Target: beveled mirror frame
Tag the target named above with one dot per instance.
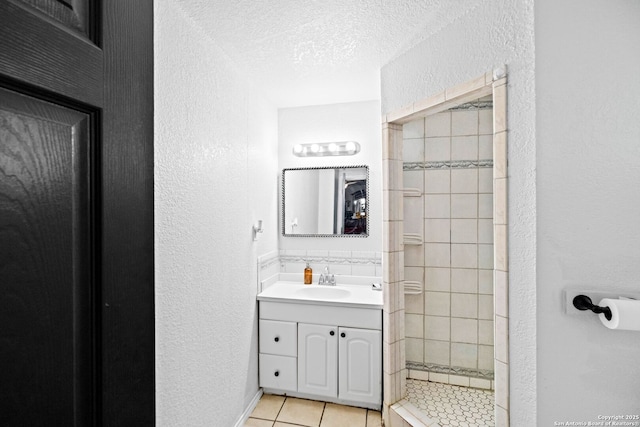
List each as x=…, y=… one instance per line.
x=367, y=209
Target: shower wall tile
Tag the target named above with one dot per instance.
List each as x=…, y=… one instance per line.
x=500, y=203
x=415, y=274
x=464, y=122
x=437, y=279
x=414, y=179
x=485, y=282
x=414, y=255
x=485, y=231
x=437, y=149
x=485, y=147
x=465, y=231
x=500, y=154
x=437, y=328
x=437, y=181
x=464, y=305
x=501, y=293
x=501, y=343
x=464, y=280
x=500, y=103
x=464, y=330
x=485, y=332
x=413, y=150
x=437, y=230
x=485, y=180
x=414, y=349
x=464, y=255
x=464, y=181
x=456, y=267
x=485, y=206
x=414, y=326
x=437, y=303
x=438, y=125
x=465, y=206
x=485, y=357
x=485, y=307
x=458, y=380
x=414, y=129
x=437, y=205
x=413, y=215
x=414, y=304
x=485, y=256
x=437, y=255
x=464, y=355
x=485, y=122
x=437, y=352
x=464, y=147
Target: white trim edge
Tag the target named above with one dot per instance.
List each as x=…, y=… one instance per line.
x=252, y=405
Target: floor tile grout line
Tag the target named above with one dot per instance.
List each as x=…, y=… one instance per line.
x=324, y=407
x=279, y=410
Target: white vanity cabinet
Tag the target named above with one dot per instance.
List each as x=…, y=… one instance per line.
x=338, y=362
x=337, y=355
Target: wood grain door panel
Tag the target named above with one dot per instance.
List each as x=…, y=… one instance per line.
x=47, y=285
x=58, y=61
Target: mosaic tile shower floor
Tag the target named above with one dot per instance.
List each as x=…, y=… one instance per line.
x=452, y=405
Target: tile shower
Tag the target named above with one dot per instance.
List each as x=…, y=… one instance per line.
x=448, y=245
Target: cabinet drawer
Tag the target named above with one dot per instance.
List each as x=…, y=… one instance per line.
x=278, y=372
x=278, y=338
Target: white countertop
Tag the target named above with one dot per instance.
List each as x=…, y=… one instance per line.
x=361, y=296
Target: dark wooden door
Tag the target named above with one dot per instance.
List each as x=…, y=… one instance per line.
x=76, y=213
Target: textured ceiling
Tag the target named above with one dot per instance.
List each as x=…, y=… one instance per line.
x=319, y=51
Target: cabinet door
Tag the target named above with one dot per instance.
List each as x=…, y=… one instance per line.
x=318, y=360
x=360, y=362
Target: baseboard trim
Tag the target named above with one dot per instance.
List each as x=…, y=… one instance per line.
x=252, y=405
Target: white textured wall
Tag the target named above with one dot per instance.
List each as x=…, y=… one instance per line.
x=490, y=34
x=588, y=157
x=355, y=121
x=215, y=174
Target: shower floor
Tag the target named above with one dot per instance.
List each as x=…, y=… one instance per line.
x=452, y=405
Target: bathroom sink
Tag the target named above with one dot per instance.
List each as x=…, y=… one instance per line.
x=360, y=296
x=323, y=293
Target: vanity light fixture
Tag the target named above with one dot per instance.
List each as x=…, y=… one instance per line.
x=318, y=149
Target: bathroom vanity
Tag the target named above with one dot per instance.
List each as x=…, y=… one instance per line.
x=322, y=342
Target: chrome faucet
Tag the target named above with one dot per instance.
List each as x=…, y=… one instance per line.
x=326, y=278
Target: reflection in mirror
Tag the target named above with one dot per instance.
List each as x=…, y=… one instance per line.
x=325, y=202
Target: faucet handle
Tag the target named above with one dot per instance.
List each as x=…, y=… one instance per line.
x=321, y=279
x=332, y=280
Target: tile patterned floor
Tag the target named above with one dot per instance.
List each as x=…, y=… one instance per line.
x=278, y=411
x=452, y=405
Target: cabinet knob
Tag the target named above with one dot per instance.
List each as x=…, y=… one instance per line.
x=343, y=335
x=276, y=373
x=276, y=339
x=332, y=333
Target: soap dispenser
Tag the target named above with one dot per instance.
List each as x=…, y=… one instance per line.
x=308, y=275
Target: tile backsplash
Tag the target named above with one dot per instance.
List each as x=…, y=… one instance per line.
x=347, y=263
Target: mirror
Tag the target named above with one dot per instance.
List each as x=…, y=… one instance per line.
x=325, y=201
